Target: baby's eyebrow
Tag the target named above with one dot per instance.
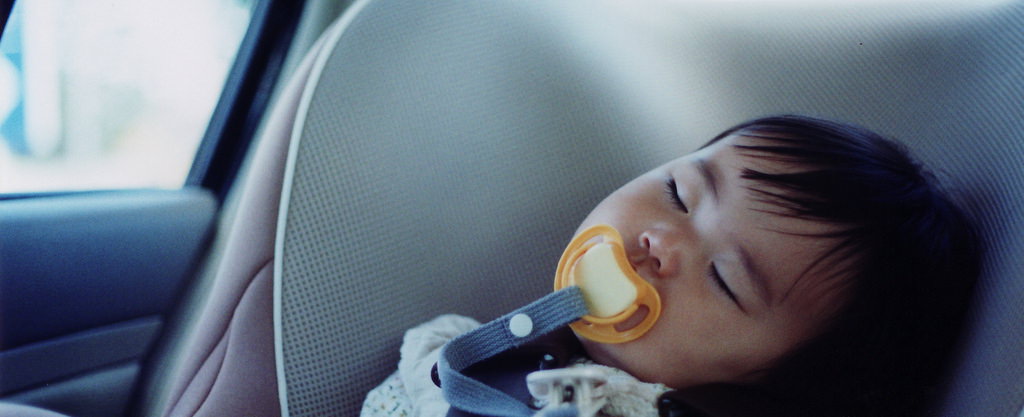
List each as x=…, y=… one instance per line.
x=755, y=275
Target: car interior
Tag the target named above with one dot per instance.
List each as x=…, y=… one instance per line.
x=415, y=158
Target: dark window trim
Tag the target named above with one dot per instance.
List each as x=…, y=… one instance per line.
x=5, y=13
x=246, y=94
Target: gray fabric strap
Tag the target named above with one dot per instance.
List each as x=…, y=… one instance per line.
x=563, y=411
x=547, y=314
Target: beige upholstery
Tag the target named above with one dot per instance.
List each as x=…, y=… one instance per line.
x=228, y=365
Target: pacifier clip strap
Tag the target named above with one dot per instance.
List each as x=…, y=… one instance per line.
x=512, y=330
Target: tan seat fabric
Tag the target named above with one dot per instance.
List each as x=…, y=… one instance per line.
x=228, y=368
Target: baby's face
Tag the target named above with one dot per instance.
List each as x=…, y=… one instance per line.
x=733, y=294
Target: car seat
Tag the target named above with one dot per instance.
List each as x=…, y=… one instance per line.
x=447, y=150
x=226, y=366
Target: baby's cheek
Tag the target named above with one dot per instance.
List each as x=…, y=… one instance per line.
x=658, y=356
x=625, y=356
x=690, y=318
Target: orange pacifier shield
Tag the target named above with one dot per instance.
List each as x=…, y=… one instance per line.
x=614, y=293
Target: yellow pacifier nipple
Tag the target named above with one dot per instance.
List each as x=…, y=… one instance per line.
x=596, y=262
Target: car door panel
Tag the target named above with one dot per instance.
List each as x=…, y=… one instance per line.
x=100, y=393
x=85, y=283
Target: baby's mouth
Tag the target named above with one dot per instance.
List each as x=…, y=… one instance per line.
x=636, y=260
x=641, y=265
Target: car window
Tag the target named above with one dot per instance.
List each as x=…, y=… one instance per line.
x=108, y=95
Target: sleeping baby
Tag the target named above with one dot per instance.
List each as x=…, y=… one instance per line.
x=791, y=266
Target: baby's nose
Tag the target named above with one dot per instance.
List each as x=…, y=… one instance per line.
x=660, y=253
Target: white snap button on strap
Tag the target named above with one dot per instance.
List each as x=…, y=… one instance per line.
x=520, y=325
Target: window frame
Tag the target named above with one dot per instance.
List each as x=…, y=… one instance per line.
x=245, y=96
x=5, y=13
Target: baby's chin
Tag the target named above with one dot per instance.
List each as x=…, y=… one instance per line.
x=602, y=353
x=636, y=359
x=615, y=356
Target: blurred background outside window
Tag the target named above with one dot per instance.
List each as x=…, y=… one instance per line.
x=112, y=94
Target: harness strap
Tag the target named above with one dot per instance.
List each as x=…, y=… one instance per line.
x=512, y=330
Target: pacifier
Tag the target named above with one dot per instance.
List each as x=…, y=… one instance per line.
x=612, y=290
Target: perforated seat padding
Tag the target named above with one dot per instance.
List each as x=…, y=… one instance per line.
x=450, y=148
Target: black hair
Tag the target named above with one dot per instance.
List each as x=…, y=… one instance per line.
x=907, y=257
